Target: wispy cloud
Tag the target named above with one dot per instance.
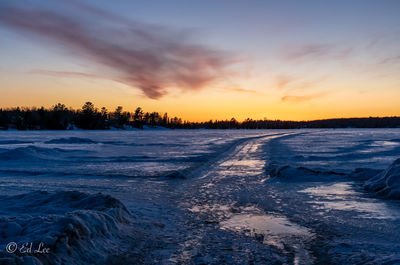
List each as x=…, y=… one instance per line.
x=298, y=99
x=151, y=58
x=315, y=52
x=283, y=80
x=390, y=60
x=242, y=90
x=310, y=50
x=297, y=83
x=64, y=74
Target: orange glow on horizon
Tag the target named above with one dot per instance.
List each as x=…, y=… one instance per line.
x=198, y=106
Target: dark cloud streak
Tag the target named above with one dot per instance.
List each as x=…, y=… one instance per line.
x=298, y=99
x=147, y=57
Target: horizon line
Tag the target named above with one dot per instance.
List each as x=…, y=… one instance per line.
x=209, y=119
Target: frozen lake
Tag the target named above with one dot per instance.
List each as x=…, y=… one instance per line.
x=199, y=196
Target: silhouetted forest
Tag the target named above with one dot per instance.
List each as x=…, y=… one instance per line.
x=59, y=117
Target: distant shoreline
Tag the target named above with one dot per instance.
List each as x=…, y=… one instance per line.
x=59, y=117
x=345, y=123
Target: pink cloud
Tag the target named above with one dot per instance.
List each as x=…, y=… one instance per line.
x=147, y=57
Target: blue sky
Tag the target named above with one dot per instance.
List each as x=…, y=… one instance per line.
x=296, y=55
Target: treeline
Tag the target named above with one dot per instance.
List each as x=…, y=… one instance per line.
x=59, y=117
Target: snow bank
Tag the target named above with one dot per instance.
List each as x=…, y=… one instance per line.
x=363, y=174
x=71, y=140
x=289, y=173
x=158, y=128
x=31, y=153
x=7, y=142
x=175, y=175
x=387, y=183
x=76, y=227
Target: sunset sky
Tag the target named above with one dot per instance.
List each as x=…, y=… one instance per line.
x=202, y=60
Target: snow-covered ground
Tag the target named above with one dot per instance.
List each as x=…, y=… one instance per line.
x=200, y=197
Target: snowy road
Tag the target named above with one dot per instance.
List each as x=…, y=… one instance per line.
x=236, y=214
x=232, y=212
x=221, y=204
x=272, y=197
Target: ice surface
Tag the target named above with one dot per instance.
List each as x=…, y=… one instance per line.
x=110, y=153
x=201, y=196
x=340, y=150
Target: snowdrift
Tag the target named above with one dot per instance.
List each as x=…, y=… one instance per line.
x=31, y=153
x=387, y=183
x=78, y=228
x=34, y=154
x=71, y=140
x=300, y=174
x=363, y=174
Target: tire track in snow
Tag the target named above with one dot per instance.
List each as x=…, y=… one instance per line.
x=222, y=226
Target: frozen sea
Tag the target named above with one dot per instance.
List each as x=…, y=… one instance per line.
x=198, y=197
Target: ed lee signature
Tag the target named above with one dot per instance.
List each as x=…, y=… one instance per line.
x=27, y=248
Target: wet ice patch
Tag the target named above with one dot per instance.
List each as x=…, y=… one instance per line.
x=343, y=197
x=272, y=230
x=244, y=162
x=269, y=228
x=393, y=142
x=331, y=191
x=266, y=228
